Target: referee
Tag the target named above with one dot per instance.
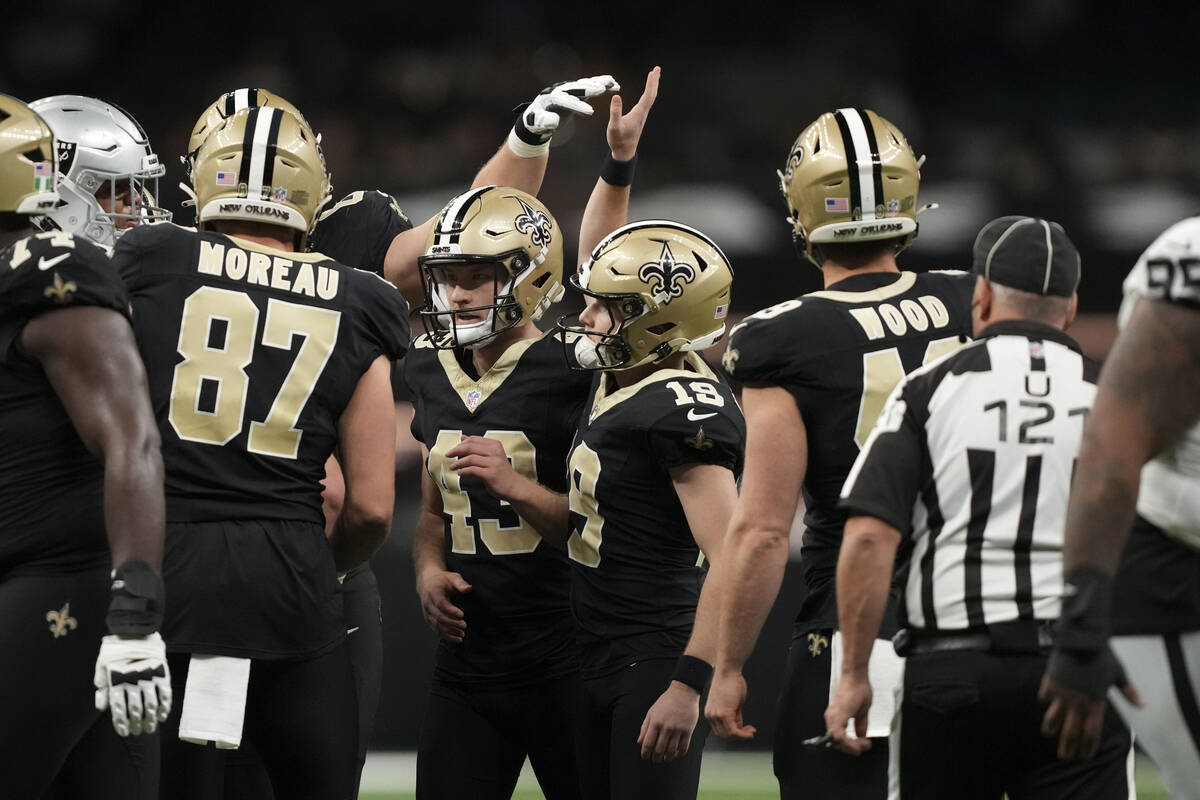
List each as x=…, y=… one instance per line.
x=967, y=474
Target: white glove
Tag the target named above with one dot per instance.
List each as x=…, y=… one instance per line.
x=133, y=682
x=531, y=133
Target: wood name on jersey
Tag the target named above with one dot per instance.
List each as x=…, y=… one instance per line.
x=263, y=269
x=919, y=315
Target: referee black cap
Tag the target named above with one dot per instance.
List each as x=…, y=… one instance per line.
x=1029, y=254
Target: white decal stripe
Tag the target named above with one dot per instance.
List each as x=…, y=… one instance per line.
x=241, y=99
x=862, y=149
x=258, y=152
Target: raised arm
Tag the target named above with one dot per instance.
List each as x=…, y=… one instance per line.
x=608, y=206
x=520, y=163
x=367, y=445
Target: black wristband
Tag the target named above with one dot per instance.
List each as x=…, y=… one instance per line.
x=693, y=672
x=138, y=600
x=618, y=173
x=1085, y=622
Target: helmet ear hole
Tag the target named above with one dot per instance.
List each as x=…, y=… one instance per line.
x=540, y=280
x=659, y=330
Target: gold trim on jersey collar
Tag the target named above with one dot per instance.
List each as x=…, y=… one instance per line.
x=295, y=255
x=603, y=401
x=490, y=381
x=898, y=286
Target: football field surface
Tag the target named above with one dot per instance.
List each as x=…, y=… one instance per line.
x=724, y=776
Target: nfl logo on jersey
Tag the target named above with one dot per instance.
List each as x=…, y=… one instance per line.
x=473, y=398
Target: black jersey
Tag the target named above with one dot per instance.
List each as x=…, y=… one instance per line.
x=839, y=353
x=518, y=617
x=637, y=569
x=252, y=354
x=51, y=488
x=359, y=229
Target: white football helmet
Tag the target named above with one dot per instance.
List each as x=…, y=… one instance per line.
x=100, y=147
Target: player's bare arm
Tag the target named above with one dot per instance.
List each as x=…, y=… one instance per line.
x=756, y=547
x=708, y=493
x=91, y=359
x=520, y=163
x=608, y=206
x=1149, y=394
x=545, y=510
x=864, y=572
x=436, y=586
x=367, y=441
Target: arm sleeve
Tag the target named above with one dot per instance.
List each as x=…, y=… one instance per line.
x=359, y=229
x=699, y=434
x=57, y=271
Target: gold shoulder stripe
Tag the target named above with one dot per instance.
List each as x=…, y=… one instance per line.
x=898, y=286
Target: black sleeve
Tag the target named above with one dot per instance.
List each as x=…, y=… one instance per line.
x=886, y=479
x=359, y=229
x=50, y=271
x=698, y=433
x=382, y=315
x=754, y=354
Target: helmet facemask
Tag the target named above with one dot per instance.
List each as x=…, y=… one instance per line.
x=594, y=349
x=444, y=324
x=108, y=173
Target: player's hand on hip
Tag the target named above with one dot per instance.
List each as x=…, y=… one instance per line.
x=851, y=700
x=625, y=130
x=437, y=590
x=667, y=729
x=485, y=459
x=1074, y=690
x=133, y=682
x=723, y=710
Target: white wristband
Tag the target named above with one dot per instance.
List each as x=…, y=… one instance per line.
x=525, y=150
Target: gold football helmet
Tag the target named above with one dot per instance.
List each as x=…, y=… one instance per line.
x=509, y=229
x=28, y=169
x=667, y=290
x=851, y=177
x=261, y=165
x=225, y=107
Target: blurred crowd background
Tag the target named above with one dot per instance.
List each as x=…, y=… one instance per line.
x=1077, y=111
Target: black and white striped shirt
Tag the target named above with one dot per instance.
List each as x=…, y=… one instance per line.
x=971, y=461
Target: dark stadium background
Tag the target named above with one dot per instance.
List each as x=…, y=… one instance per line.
x=1081, y=112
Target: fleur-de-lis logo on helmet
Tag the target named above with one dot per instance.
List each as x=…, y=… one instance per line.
x=533, y=222
x=667, y=275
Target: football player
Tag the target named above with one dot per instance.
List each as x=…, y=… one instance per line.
x=1132, y=556
x=652, y=482
x=356, y=231
x=495, y=410
x=261, y=358
x=816, y=372
x=81, y=493
x=108, y=173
